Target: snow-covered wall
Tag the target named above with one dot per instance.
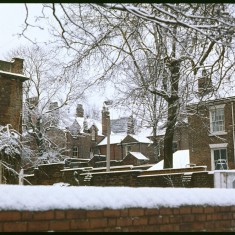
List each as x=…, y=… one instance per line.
x=115, y=209
x=42, y=198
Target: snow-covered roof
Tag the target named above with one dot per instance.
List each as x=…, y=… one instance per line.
x=142, y=139
x=90, y=122
x=98, y=198
x=138, y=155
x=117, y=138
x=69, y=121
x=114, y=139
x=180, y=160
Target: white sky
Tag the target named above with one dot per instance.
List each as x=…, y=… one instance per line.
x=12, y=16
x=41, y=198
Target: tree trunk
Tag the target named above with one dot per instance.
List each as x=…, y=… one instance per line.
x=168, y=138
x=173, y=107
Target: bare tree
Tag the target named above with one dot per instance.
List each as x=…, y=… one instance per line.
x=164, y=47
x=47, y=94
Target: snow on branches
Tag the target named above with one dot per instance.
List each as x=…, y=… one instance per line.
x=10, y=144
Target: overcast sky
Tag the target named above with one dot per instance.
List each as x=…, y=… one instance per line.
x=12, y=16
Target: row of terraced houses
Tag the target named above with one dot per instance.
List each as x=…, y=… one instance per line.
x=208, y=132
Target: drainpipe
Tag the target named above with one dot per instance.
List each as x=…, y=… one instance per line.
x=233, y=132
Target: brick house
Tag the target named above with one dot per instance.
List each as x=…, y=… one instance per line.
x=211, y=133
x=123, y=139
x=11, y=95
x=82, y=136
x=78, y=136
x=121, y=143
x=11, y=92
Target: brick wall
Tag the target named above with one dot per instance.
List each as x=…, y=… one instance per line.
x=115, y=178
x=10, y=102
x=46, y=174
x=121, y=176
x=182, y=219
x=11, y=93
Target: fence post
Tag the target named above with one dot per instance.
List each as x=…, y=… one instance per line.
x=21, y=177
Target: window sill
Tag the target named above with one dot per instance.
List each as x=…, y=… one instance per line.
x=218, y=133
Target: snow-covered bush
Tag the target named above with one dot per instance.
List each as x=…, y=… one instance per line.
x=10, y=144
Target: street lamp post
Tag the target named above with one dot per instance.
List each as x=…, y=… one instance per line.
x=108, y=142
x=107, y=104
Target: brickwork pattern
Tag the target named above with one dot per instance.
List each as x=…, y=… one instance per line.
x=10, y=102
x=182, y=219
x=199, y=138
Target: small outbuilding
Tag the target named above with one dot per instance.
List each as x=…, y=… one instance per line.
x=135, y=159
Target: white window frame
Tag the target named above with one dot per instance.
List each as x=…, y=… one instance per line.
x=214, y=147
x=213, y=109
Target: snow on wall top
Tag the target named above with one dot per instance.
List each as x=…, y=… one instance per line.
x=18, y=75
x=180, y=160
x=42, y=198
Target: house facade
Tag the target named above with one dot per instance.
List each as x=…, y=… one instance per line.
x=82, y=136
x=121, y=145
x=11, y=92
x=211, y=133
x=11, y=96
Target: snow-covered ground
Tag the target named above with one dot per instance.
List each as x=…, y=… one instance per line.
x=41, y=198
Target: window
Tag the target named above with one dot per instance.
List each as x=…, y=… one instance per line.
x=219, y=157
x=217, y=119
x=75, y=151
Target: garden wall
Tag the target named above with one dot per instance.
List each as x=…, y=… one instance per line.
x=182, y=219
x=121, y=176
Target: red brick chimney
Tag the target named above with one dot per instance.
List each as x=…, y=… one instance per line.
x=17, y=65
